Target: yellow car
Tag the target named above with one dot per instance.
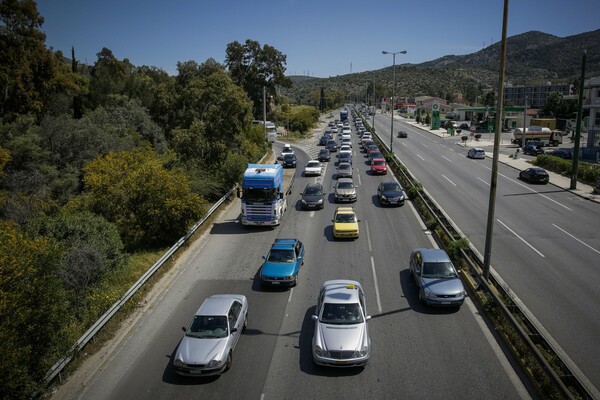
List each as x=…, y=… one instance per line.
x=345, y=223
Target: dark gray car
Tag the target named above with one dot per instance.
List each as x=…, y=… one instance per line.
x=312, y=197
x=344, y=170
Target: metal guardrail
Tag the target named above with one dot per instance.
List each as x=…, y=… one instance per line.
x=103, y=320
x=510, y=310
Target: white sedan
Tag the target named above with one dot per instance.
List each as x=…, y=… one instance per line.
x=313, y=168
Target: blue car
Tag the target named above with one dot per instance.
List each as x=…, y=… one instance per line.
x=282, y=264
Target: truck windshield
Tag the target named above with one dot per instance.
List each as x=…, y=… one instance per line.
x=259, y=194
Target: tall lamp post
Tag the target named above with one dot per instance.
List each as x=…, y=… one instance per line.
x=393, y=92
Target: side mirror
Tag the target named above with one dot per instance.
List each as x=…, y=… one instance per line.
x=368, y=317
x=264, y=257
x=183, y=328
x=315, y=317
x=234, y=330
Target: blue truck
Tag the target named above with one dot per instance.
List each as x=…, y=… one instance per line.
x=344, y=115
x=265, y=188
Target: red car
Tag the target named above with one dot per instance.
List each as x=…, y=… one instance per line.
x=378, y=166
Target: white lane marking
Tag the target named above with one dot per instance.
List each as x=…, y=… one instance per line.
x=424, y=145
x=580, y=241
x=452, y=150
x=418, y=155
x=447, y=159
x=359, y=182
x=368, y=236
x=512, y=375
x=543, y=195
x=376, y=285
x=446, y=178
x=312, y=213
x=291, y=293
x=404, y=144
x=487, y=183
x=523, y=240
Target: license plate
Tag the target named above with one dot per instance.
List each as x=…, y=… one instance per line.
x=341, y=362
x=445, y=302
x=275, y=283
x=195, y=371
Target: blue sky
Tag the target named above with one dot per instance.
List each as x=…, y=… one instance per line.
x=320, y=38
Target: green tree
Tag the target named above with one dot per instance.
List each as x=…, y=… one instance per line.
x=33, y=305
x=254, y=67
x=149, y=203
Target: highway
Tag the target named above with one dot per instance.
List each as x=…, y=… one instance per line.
x=546, y=244
x=418, y=352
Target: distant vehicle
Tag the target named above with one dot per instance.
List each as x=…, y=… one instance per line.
x=207, y=347
x=265, y=188
x=535, y=175
x=345, y=223
x=538, y=133
x=532, y=149
x=313, y=168
x=289, y=161
x=282, y=264
x=390, y=193
x=312, y=196
x=344, y=170
x=345, y=157
x=464, y=126
x=324, y=155
x=345, y=190
x=324, y=139
x=287, y=149
x=436, y=278
x=476, y=152
x=373, y=155
x=562, y=153
x=346, y=141
x=344, y=115
x=378, y=166
x=332, y=146
x=341, y=336
x=402, y=134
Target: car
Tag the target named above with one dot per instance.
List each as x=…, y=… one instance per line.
x=345, y=190
x=345, y=148
x=345, y=223
x=341, y=335
x=562, y=153
x=436, y=278
x=464, y=126
x=390, y=193
x=373, y=155
x=366, y=136
x=371, y=147
x=312, y=197
x=346, y=142
x=346, y=131
x=345, y=157
x=324, y=155
x=332, y=146
x=207, y=347
x=378, y=166
x=344, y=170
x=533, y=149
x=535, y=175
x=282, y=264
x=367, y=143
x=324, y=139
x=476, y=152
x=289, y=161
x=313, y=168
x=402, y=134
x=287, y=149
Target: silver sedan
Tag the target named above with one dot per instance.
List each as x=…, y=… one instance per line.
x=209, y=341
x=341, y=337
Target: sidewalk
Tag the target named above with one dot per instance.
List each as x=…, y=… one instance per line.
x=564, y=182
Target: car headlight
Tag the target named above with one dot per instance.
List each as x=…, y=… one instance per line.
x=179, y=363
x=320, y=201
x=364, y=351
x=318, y=351
x=383, y=197
x=303, y=201
x=428, y=293
x=215, y=363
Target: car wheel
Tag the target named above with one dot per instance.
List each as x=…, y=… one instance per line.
x=229, y=361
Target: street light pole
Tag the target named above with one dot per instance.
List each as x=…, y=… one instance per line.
x=393, y=93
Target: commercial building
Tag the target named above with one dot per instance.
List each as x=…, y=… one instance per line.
x=536, y=95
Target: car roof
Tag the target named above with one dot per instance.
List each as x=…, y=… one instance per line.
x=477, y=149
x=341, y=291
x=345, y=180
x=433, y=255
x=313, y=161
x=313, y=185
x=345, y=210
x=218, y=304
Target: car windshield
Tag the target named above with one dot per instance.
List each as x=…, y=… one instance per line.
x=442, y=269
x=312, y=164
x=313, y=191
x=345, y=218
x=378, y=162
x=391, y=186
x=208, y=327
x=280, y=255
x=341, y=314
x=345, y=185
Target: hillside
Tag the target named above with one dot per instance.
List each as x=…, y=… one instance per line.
x=532, y=57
